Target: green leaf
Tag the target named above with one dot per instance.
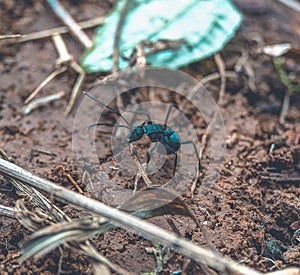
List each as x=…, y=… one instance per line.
x=194, y=29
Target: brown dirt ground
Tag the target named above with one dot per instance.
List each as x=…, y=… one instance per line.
x=246, y=209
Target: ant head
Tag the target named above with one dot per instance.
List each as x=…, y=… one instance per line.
x=136, y=134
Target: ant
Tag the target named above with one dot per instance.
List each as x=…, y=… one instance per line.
x=166, y=140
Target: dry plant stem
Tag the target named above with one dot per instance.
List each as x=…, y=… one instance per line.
x=42, y=151
x=291, y=4
x=61, y=30
x=126, y=221
x=7, y=211
x=63, y=54
x=197, y=179
x=66, y=58
x=75, y=91
x=221, y=66
x=74, y=183
x=243, y=63
x=103, y=260
x=141, y=172
x=120, y=101
x=26, y=109
x=208, y=78
x=117, y=37
x=138, y=176
x=70, y=23
x=36, y=197
x=222, y=74
x=285, y=106
x=44, y=83
x=9, y=36
x=214, y=76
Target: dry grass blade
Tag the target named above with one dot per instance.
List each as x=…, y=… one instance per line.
x=26, y=109
x=72, y=233
x=145, y=204
x=36, y=211
x=46, y=239
x=9, y=36
x=53, y=213
x=118, y=35
x=141, y=171
x=31, y=220
x=44, y=82
x=7, y=211
x=75, y=29
x=21, y=38
x=151, y=202
x=75, y=91
x=101, y=259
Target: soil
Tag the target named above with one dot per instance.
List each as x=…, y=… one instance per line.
x=253, y=209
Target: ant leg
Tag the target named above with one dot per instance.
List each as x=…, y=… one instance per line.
x=172, y=105
x=150, y=152
x=175, y=158
x=198, y=166
x=195, y=148
x=175, y=164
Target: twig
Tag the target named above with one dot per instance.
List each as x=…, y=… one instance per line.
x=141, y=171
x=42, y=151
x=221, y=66
x=7, y=211
x=201, y=83
x=74, y=183
x=117, y=36
x=70, y=23
x=63, y=55
x=9, y=36
x=23, y=190
x=101, y=259
x=284, y=78
x=64, y=59
x=222, y=74
x=44, y=83
x=126, y=221
x=294, y=5
x=75, y=91
x=20, y=38
x=120, y=100
x=26, y=109
x=208, y=78
x=243, y=63
x=205, y=136
x=285, y=107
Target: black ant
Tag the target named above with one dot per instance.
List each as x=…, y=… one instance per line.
x=167, y=141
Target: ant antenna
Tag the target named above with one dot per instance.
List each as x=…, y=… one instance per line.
x=113, y=110
x=108, y=125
